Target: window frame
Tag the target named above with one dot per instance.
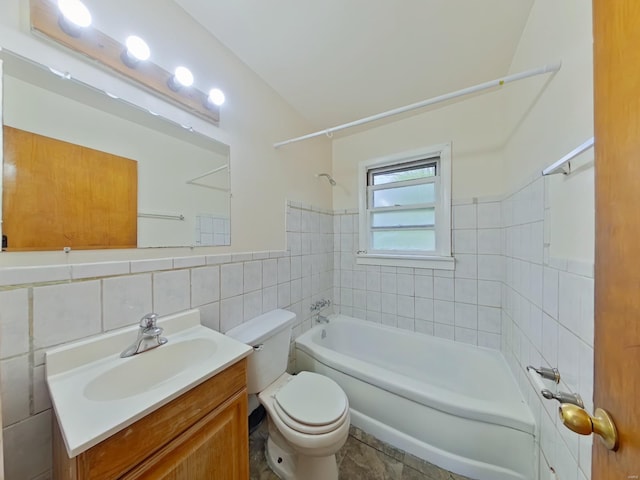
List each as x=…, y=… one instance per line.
x=441, y=257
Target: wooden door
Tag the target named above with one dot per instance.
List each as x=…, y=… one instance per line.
x=617, y=265
x=57, y=194
x=214, y=448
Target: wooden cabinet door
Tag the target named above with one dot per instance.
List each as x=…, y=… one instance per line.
x=214, y=448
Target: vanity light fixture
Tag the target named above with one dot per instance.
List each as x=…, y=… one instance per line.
x=74, y=17
x=73, y=29
x=216, y=97
x=136, y=51
x=182, y=77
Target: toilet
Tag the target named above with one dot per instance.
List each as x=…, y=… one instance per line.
x=308, y=414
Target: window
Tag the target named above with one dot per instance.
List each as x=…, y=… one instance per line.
x=405, y=209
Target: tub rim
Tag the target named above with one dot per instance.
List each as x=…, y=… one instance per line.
x=520, y=417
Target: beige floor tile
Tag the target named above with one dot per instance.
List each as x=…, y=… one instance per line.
x=363, y=457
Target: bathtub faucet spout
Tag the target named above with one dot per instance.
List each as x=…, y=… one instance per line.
x=321, y=319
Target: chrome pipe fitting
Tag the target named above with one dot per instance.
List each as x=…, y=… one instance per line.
x=547, y=373
x=563, y=397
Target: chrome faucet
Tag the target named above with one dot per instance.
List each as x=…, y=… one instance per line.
x=148, y=336
x=321, y=318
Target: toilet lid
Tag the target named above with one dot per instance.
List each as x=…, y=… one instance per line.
x=312, y=399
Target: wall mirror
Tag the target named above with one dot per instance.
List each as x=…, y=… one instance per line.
x=85, y=170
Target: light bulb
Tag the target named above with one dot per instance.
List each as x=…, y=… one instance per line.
x=137, y=48
x=184, y=76
x=216, y=96
x=76, y=12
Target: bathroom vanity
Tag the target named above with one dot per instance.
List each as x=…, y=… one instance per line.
x=178, y=411
x=201, y=434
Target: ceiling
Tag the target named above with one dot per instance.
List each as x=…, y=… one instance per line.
x=335, y=61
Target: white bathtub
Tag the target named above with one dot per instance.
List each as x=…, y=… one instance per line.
x=454, y=405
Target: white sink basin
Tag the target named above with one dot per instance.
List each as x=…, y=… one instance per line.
x=95, y=393
x=149, y=370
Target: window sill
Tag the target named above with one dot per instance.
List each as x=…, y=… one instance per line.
x=415, y=261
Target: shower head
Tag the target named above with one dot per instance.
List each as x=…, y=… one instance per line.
x=329, y=177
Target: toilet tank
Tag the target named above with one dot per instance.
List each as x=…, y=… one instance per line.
x=269, y=334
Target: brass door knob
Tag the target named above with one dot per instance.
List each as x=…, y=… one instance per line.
x=579, y=420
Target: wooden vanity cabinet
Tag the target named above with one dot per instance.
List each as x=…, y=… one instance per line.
x=203, y=434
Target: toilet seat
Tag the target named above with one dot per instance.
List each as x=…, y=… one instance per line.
x=311, y=403
x=308, y=429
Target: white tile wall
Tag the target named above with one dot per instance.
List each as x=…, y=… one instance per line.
x=65, y=312
x=252, y=305
x=503, y=294
x=269, y=272
x=436, y=302
x=227, y=289
x=90, y=270
x=41, y=400
x=124, y=298
x=489, y=215
x=186, y=262
x=231, y=280
x=171, y=292
x=547, y=311
x=14, y=377
x=151, y=265
x=210, y=315
x=465, y=216
x=270, y=298
x=205, y=285
x=14, y=323
x=28, y=447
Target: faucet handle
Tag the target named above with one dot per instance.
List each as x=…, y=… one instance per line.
x=149, y=320
x=563, y=397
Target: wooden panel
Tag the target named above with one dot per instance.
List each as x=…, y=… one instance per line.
x=617, y=278
x=101, y=47
x=116, y=455
x=216, y=447
x=57, y=194
x=64, y=468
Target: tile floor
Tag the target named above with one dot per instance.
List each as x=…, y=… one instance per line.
x=363, y=457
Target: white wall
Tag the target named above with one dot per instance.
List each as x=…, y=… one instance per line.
x=505, y=140
x=547, y=298
x=474, y=126
x=546, y=117
x=252, y=119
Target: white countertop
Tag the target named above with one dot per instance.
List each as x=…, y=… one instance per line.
x=90, y=410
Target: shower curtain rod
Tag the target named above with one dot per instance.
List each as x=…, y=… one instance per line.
x=554, y=67
x=559, y=166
